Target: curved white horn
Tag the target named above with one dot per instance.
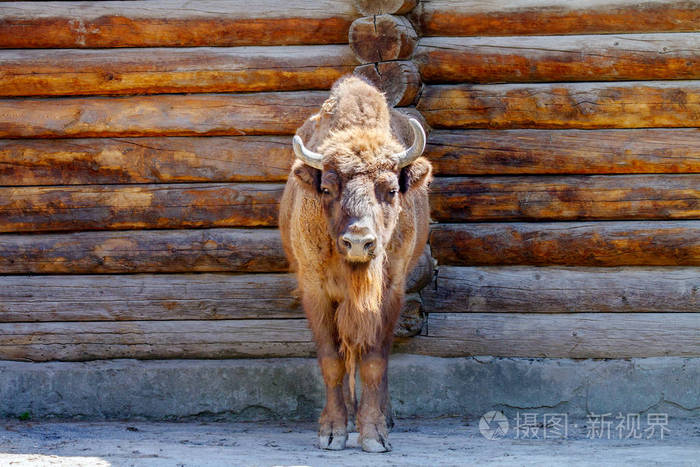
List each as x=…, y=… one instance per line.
x=309, y=157
x=414, y=152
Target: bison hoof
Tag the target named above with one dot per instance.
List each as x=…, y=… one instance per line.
x=374, y=445
x=333, y=441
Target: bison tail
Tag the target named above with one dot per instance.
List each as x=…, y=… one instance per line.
x=351, y=354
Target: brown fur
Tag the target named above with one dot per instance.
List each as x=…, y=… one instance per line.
x=352, y=308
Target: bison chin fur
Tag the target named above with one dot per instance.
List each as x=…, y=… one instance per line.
x=359, y=316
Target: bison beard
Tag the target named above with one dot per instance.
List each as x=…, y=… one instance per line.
x=359, y=315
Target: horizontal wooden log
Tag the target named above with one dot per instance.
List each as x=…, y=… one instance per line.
x=539, y=198
x=501, y=152
x=398, y=81
x=140, y=251
x=45, y=72
x=381, y=7
x=148, y=297
x=110, y=207
x=81, y=341
x=575, y=105
x=87, y=161
x=523, y=289
x=173, y=23
x=164, y=297
x=668, y=243
x=559, y=58
x=161, y=115
x=382, y=38
x=478, y=18
x=268, y=158
x=578, y=335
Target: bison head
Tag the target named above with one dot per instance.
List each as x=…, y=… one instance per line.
x=360, y=174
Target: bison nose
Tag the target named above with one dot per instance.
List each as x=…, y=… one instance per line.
x=358, y=247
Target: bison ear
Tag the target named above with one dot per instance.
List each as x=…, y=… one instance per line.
x=417, y=174
x=307, y=176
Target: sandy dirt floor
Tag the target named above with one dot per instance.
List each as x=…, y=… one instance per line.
x=432, y=442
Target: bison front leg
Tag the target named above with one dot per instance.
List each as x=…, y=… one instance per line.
x=374, y=414
x=332, y=433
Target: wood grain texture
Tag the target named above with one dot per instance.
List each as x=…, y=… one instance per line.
x=523, y=289
x=380, y=7
x=540, y=198
x=382, y=38
x=667, y=243
x=503, y=152
x=574, y=105
x=160, y=115
x=88, y=161
x=173, y=23
x=579, y=335
x=142, y=251
x=82, y=341
x=559, y=58
x=480, y=18
x=148, y=297
x=398, y=80
x=46, y=72
x=111, y=207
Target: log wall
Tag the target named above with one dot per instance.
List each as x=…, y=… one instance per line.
x=144, y=147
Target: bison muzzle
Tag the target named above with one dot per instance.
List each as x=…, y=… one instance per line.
x=354, y=220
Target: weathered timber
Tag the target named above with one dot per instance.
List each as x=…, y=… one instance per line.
x=173, y=23
x=381, y=38
x=140, y=251
x=501, y=152
x=523, y=289
x=159, y=115
x=81, y=341
x=559, y=105
x=135, y=297
x=559, y=58
x=87, y=161
x=479, y=18
x=112, y=207
x=667, y=243
x=577, y=335
x=595, y=197
x=45, y=72
x=399, y=81
x=381, y=7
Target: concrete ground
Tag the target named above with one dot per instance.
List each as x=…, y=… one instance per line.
x=446, y=441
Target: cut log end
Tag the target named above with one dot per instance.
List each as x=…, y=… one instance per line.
x=382, y=38
x=399, y=81
x=381, y=7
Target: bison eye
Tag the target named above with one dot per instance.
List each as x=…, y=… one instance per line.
x=325, y=191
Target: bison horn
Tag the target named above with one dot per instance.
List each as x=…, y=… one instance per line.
x=414, y=152
x=307, y=156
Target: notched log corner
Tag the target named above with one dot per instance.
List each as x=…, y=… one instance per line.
x=413, y=317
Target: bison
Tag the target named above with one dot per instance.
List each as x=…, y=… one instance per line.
x=354, y=220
